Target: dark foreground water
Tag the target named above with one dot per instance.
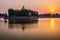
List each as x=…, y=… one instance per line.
x=43, y=29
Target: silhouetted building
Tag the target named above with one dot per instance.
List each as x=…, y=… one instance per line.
x=22, y=12
x=23, y=8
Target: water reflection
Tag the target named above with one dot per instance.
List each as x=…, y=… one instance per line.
x=5, y=20
x=52, y=22
x=44, y=29
x=22, y=24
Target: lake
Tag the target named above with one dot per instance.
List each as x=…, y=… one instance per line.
x=44, y=28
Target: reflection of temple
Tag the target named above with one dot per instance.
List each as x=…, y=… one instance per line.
x=11, y=26
x=20, y=24
x=22, y=21
x=23, y=27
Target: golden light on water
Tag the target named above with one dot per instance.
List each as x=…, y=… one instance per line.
x=52, y=23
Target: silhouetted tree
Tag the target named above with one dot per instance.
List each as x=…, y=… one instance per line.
x=22, y=12
x=11, y=12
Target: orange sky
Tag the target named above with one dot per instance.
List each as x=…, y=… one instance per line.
x=42, y=6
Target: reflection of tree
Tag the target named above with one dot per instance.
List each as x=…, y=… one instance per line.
x=21, y=25
x=11, y=26
x=22, y=21
x=5, y=20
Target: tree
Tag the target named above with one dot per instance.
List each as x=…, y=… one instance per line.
x=11, y=12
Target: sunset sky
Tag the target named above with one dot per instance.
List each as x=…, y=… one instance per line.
x=42, y=6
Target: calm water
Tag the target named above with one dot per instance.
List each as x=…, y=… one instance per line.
x=45, y=28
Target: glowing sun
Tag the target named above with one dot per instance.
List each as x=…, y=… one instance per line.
x=52, y=10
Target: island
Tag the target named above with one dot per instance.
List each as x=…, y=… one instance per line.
x=24, y=15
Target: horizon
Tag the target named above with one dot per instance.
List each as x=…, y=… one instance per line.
x=42, y=6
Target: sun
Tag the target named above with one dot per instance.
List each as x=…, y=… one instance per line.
x=52, y=10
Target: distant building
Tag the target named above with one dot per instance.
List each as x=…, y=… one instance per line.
x=23, y=8
x=22, y=12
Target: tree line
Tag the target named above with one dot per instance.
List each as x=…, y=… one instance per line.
x=22, y=12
